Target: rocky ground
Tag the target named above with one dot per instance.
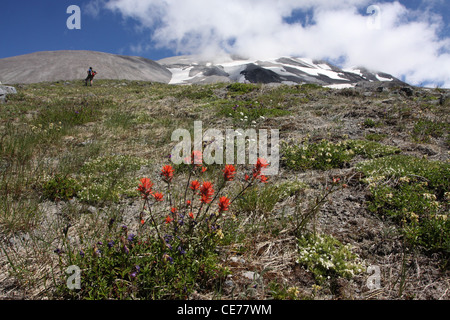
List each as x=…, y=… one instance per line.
x=405, y=273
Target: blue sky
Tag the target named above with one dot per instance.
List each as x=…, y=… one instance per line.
x=411, y=34
x=41, y=26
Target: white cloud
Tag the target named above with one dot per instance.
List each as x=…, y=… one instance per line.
x=93, y=7
x=405, y=44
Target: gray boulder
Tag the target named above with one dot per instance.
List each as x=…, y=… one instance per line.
x=445, y=98
x=4, y=91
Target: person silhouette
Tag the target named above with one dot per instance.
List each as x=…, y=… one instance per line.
x=91, y=74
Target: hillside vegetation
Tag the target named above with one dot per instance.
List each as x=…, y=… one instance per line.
x=363, y=186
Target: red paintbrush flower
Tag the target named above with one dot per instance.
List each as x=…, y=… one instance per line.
x=224, y=204
x=260, y=164
x=158, y=196
x=145, y=187
x=167, y=173
x=195, y=185
x=206, y=192
x=168, y=220
x=229, y=172
x=263, y=178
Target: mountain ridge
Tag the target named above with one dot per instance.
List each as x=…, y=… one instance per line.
x=46, y=66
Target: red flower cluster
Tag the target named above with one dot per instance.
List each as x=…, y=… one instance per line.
x=145, y=187
x=195, y=185
x=158, y=196
x=167, y=173
x=168, y=220
x=260, y=164
x=206, y=192
x=229, y=172
x=224, y=204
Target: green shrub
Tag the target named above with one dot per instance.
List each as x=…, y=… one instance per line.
x=372, y=149
x=323, y=155
x=326, y=257
x=425, y=129
x=375, y=137
x=109, y=178
x=414, y=193
x=242, y=88
x=370, y=123
x=60, y=187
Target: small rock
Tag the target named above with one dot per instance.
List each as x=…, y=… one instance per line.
x=382, y=89
x=407, y=91
x=444, y=98
x=251, y=275
x=85, y=143
x=237, y=260
x=428, y=150
x=229, y=283
x=388, y=101
x=92, y=209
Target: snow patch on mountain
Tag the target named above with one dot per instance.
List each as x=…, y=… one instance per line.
x=285, y=70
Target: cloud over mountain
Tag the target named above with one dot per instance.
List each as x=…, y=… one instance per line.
x=398, y=40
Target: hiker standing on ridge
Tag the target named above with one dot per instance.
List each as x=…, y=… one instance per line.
x=91, y=74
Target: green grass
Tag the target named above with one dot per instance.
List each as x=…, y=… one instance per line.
x=242, y=88
x=424, y=130
x=414, y=193
x=325, y=155
x=246, y=113
x=109, y=178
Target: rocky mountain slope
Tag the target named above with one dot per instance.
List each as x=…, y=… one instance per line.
x=72, y=65
x=286, y=70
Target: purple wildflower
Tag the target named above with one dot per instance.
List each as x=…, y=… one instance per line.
x=131, y=237
x=166, y=258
